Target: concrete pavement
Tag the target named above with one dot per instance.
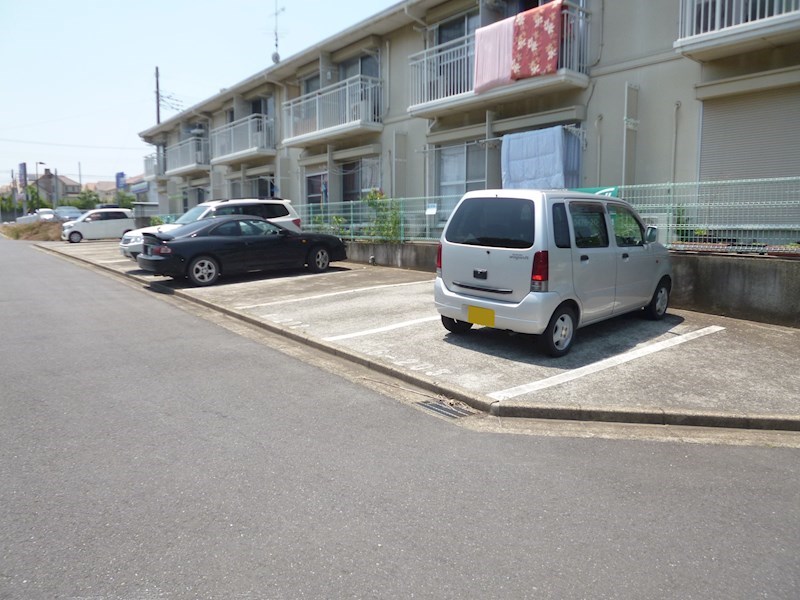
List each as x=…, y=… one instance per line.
x=689, y=369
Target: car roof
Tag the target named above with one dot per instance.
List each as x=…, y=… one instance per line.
x=246, y=201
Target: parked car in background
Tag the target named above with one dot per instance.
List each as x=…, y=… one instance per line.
x=98, y=224
x=205, y=250
x=67, y=213
x=275, y=210
x=547, y=263
x=40, y=214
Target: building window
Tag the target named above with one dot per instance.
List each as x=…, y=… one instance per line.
x=460, y=168
x=367, y=65
x=311, y=84
x=457, y=27
x=317, y=188
x=359, y=177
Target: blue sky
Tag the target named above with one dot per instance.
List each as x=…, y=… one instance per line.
x=78, y=76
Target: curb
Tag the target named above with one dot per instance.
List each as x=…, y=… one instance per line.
x=497, y=408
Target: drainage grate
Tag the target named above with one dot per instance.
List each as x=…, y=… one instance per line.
x=445, y=409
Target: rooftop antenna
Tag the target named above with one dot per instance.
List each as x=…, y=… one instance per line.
x=275, y=56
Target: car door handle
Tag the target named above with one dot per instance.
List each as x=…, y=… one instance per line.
x=625, y=255
x=584, y=257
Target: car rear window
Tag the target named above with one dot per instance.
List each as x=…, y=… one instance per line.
x=494, y=222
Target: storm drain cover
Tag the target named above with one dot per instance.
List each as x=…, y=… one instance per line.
x=445, y=409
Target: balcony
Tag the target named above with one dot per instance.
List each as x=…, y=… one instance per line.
x=188, y=157
x=443, y=77
x=245, y=139
x=153, y=167
x=351, y=107
x=712, y=29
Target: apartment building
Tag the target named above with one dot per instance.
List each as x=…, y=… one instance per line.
x=431, y=98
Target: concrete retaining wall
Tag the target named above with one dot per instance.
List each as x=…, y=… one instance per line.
x=765, y=289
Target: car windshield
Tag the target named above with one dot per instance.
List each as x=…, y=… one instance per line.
x=191, y=215
x=498, y=222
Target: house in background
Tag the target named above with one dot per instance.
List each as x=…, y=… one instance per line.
x=105, y=190
x=52, y=188
x=432, y=98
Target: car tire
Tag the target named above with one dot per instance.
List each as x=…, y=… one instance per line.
x=319, y=259
x=203, y=271
x=456, y=326
x=74, y=237
x=558, y=337
x=657, y=307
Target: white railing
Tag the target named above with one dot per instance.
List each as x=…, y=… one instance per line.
x=704, y=16
x=253, y=132
x=192, y=151
x=354, y=100
x=448, y=69
x=153, y=165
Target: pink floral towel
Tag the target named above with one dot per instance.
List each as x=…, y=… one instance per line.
x=537, y=39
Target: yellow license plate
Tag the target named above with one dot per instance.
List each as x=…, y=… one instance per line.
x=480, y=316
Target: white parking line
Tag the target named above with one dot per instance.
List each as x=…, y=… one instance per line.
x=347, y=336
x=601, y=365
x=354, y=291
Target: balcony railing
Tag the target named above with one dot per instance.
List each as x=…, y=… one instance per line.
x=357, y=100
x=251, y=134
x=192, y=152
x=153, y=166
x=706, y=16
x=448, y=69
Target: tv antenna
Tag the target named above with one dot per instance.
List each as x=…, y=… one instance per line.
x=275, y=56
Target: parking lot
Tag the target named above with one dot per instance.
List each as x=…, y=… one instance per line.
x=690, y=368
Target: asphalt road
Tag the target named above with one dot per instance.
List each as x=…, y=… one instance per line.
x=149, y=451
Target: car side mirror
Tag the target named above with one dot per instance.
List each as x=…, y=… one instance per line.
x=651, y=235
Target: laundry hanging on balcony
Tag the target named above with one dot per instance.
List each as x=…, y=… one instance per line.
x=540, y=159
x=493, y=55
x=537, y=40
x=522, y=46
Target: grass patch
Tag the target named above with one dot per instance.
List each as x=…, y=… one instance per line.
x=40, y=231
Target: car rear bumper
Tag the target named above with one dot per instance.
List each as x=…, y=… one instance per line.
x=531, y=315
x=159, y=265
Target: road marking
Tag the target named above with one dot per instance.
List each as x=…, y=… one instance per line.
x=347, y=336
x=353, y=291
x=602, y=364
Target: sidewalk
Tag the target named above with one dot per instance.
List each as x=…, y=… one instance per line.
x=690, y=369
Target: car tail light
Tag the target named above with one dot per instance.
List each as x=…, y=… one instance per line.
x=540, y=273
x=160, y=250
x=439, y=260
x=296, y=222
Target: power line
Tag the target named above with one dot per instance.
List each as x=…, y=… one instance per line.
x=71, y=145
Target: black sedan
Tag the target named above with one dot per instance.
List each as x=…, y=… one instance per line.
x=206, y=249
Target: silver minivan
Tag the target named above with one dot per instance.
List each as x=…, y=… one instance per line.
x=547, y=263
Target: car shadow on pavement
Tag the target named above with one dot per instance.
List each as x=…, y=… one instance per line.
x=166, y=283
x=592, y=343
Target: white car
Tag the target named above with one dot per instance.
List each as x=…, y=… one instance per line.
x=102, y=223
x=276, y=210
x=547, y=263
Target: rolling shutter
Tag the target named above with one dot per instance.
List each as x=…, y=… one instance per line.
x=751, y=136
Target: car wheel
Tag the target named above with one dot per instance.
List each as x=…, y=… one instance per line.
x=455, y=326
x=75, y=237
x=318, y=259
x=557, y=338
x=203, y=270
x=660, y=301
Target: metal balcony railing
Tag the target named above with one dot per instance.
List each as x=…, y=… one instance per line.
x=192, y=151
x=705, y=16
x=448, y=69
x=153, y=165
x=256, y=132
x=354, y=100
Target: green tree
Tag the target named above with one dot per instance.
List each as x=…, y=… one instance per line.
x=386, y=227
x=86, y=200
x=124, y=200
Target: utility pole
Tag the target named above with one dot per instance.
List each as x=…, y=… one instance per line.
x=158, y=101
